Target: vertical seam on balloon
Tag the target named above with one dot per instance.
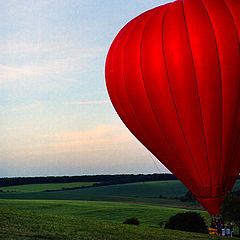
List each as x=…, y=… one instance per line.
x=130, y=102
x=237, y=112
x=151, y=107
x=198, y=96
x=133, y=121
x=164, y=57
x=220, y=79
x=130, y=98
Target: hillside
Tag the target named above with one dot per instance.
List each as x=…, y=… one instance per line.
x=148, y=215
x=149, y=189
x=99, y=217
x=170, y=188
x=28, y=225
x=154, y=193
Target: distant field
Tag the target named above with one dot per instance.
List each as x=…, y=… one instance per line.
x=28, y=225
x=44, y=187
x=142, y=192
x=72, y=195
x=148, y=215
x=171, y=188
x=147, y=192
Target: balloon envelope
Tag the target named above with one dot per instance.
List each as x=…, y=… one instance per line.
x=173, y=76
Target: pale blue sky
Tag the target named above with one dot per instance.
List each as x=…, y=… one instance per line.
x=56, y=118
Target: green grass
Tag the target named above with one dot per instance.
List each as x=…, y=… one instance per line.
x=171, y=188
x=98, y=220
x=75, y=195
x=95, y=210
x=140, y=189
x=118, y=192
x=44, y=187
x=72, y=195
x=154, y=189
x=28, y=225
x=142, y=192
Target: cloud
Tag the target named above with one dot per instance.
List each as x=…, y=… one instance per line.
x=88, y=102
x=100, y=134
x=100, y=138
x=47, y=69
x=52, y=48
x=33, y=60
x=22, y=107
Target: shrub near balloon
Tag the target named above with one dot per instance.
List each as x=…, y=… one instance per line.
x=173, y=76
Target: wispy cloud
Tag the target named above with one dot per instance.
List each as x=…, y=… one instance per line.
x=31, y=60
x=22, y=107
x=110, y=134
x=53, y=49
x=88, y=102
x=100, y=138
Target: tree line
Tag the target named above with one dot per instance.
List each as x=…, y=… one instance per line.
x=100, y=179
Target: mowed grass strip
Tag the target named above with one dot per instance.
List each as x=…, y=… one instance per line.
x=95, y=210
x=45, y=186
x=73, y=195
x=19, y=225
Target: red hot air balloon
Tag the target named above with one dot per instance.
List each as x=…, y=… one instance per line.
x=173, y=76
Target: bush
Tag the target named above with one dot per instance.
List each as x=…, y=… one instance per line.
x=188, y=221
x=132, y=221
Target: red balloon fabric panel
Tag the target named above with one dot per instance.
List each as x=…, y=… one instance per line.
x=173, y=76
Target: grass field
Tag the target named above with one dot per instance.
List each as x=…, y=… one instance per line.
x=95, y=210
x=28, y=225
x=143, y=192
x=44, y=187
x=171, y=188
x=98, y=220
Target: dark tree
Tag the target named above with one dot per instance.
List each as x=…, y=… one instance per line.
x=188, y=221
x=188, y=197
x=230, y=209
x=100, y=179
x=236, y=193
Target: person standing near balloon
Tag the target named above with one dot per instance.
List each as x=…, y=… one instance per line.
x=223, y=229
x=213, y=228
x=231, y=229
x=228, y=231
x=219, y=227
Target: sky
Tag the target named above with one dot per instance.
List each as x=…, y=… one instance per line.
x=55, y=114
